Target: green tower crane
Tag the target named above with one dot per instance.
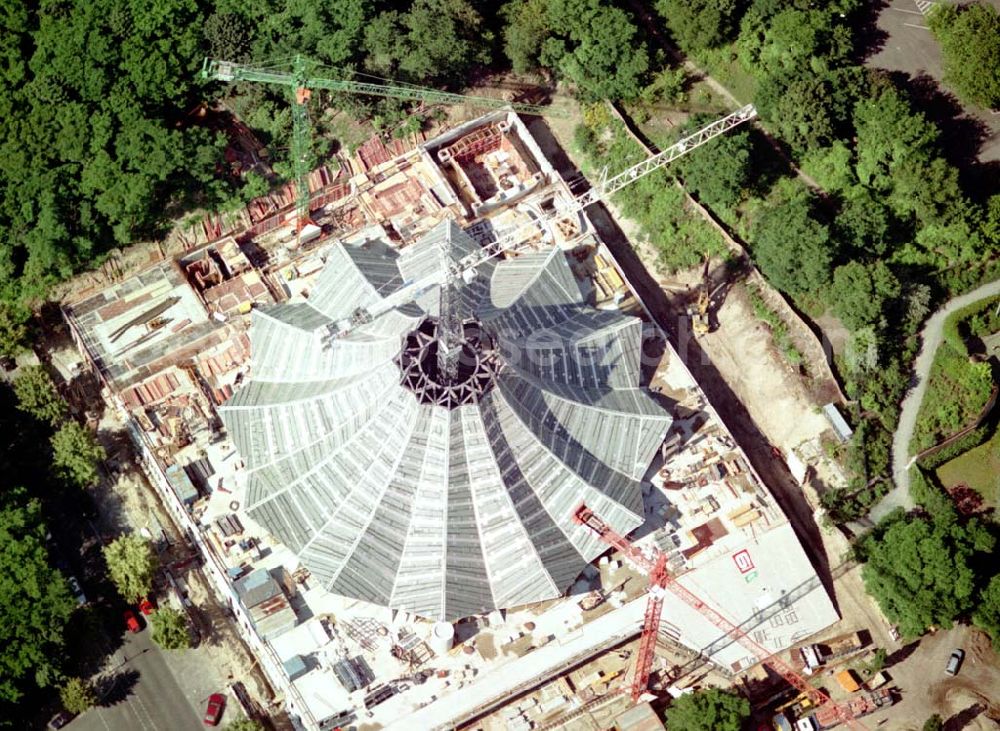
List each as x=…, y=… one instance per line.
x=301, y=82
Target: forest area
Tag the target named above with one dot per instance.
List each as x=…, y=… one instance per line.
x=108, y=136
x=882, y=227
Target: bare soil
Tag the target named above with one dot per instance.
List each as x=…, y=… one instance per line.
x=742, y=349
x=968, y=701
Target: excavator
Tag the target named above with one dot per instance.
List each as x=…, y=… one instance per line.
x=697, y=311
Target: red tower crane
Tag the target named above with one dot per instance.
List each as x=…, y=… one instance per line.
x=661, y=581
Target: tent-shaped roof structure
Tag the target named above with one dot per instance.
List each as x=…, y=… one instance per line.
x=431, y=459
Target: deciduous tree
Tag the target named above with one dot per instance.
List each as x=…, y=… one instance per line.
x=987, y=614
x=720, y=172
x=525, y=29
x=593, y=43
x=697, y=24
x=921, y=572
x=37, y=395
x=865, y=224
x=860, y=292
x=793, y=249
x=796, y=104
x=435, y=40
x=13, y=328
x=75, y=454
x=970, y=47
x=170, y=629
x=35, y=602
x=708, y=710
x=131, y=565
x=77, y=695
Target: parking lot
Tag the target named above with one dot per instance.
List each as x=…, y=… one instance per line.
x=918, y=670
x=909, y=46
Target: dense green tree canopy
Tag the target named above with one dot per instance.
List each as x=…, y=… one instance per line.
x=987, y=614
x=327, y=31
x=721, y=171
x=77, y=695
x=131, y=564
x=697, y=24
x=860, y=292
x=13, y=318
x=35, y=603
x=37, y=395
x=526, y=26
x=435, y=40
x=796, y=103
x=922, y=572
x=865, y=223
x=888, y=133
x=75, y=454
x=792, y=249
x=708, y=710
x=170, y=629
x=593, y=43
x=96, y=142
x=991, y=221
x=970, y=46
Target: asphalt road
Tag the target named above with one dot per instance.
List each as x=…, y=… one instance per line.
x=148, y=698
x=900, y=496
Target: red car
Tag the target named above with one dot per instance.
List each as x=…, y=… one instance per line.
x=131, y=621
x=213, y=711
x=147, y=607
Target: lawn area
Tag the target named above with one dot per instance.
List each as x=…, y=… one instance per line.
x=722, y=64
x=957, y=390
x=979, y=468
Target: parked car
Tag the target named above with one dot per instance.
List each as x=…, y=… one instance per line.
x=213, y=711
x=146, y=607
x=955, y=661
x=76, y=591
x=60, y=719
x=131, y=621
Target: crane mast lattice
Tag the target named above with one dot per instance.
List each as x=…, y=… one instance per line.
x=301, y=82
x=515, y=239
x=661, y=580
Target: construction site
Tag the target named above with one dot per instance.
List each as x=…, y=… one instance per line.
x=409, y=416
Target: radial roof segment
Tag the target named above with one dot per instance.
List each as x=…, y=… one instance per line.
x=431, y=459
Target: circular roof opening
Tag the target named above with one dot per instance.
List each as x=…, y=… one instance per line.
x=424, y=370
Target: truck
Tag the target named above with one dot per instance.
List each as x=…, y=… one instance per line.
x=826, y=717
x=797, y=706
x=819, y=654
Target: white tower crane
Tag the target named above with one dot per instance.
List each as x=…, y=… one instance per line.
x=516, y=239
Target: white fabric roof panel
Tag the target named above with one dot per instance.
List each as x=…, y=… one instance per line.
x=437, y=510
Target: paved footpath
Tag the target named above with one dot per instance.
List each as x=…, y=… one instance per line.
x=899, y=496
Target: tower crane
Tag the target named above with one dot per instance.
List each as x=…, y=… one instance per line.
x=661, y=581
x=515, y=239
x=301, y=82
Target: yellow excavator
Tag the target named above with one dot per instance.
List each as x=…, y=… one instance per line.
x=698, y=311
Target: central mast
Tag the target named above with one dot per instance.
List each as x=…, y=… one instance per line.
x=450, y=334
